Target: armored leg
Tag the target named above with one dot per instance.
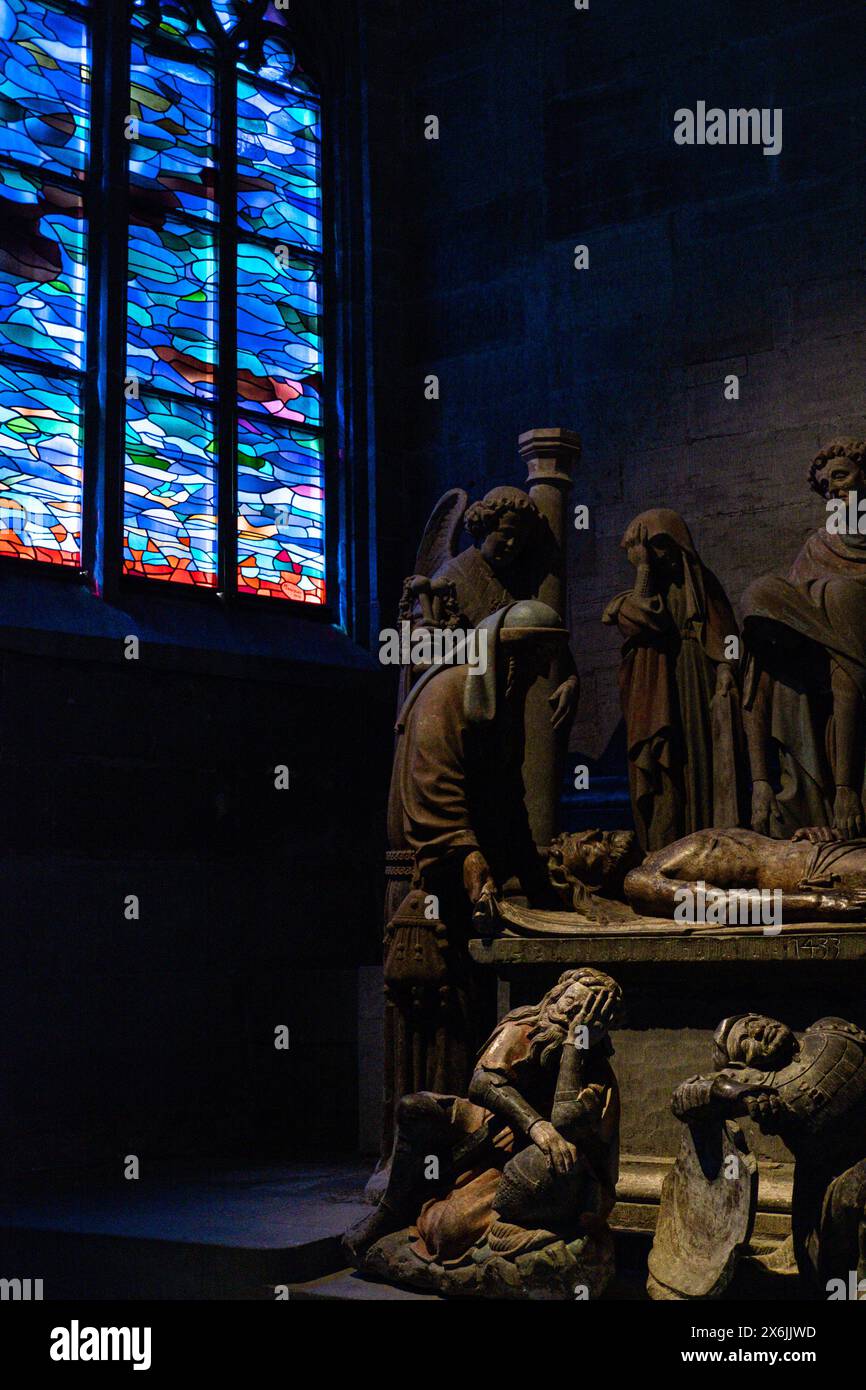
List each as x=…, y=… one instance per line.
x=424, y=1130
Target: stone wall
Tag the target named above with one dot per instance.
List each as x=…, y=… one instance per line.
x=148, y=1028
x=555, y=129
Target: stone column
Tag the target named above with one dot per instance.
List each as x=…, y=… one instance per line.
x=550, y=456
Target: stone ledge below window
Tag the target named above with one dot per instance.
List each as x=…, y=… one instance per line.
x=42, y=615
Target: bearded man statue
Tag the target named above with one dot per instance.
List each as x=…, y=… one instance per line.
x=805, y=671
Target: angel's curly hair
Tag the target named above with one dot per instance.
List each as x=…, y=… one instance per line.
x=853, y=449
x=482, y=517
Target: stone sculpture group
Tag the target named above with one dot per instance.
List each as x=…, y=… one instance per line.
x=745, y=752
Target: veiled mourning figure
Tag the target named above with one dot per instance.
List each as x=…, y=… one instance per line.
x=456, y=809
x=677, y=683
x=506, y=1193
x=811, y=1091
x=805, y=671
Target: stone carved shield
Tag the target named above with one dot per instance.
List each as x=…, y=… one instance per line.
x=707, y=1213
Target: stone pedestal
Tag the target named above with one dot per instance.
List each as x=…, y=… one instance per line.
x=678, y=986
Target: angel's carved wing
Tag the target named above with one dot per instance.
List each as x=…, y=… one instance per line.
x=439, y=542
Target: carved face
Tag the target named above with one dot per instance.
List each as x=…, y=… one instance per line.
x=841, y=476
x=532, y=658
x=503, y=545
x=590, y=856
x=666, y=557
x=566, y=1005
x=757, y=1041
x=577, y=994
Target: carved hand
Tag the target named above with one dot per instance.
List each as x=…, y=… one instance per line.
x=596, y=1013
x=587, y=1108
x=477, y=878
x=635, y=544
x=563, y=701
x=764, y=805
x=817, y=835
x=759, y=1102
x=724, y=679
x=561, y=1155
x=848, y=813
x=765, y=1108
x=692, y=1096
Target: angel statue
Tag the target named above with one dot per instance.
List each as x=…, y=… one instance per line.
x=507, y=561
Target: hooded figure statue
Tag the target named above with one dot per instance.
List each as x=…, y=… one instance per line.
x=678, y=685
x=456, y=787
x=457, y=808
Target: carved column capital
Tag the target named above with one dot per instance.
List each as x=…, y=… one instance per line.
x=550, y=455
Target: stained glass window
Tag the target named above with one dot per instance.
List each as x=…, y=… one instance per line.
x=44, y=114
x=224, y=342
x=218, y=372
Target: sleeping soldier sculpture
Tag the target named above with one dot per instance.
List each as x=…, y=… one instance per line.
x=810, y=1091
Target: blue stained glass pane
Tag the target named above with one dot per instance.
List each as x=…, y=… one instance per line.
x=170, y=494
x=276, y=62
x=279, y=165
x=225, y=13
x=175, y=21
x=170, y=511
x=40, y=467
x=280, y=512
x=279, y=347
x=42, y=280
x=44, y=85
x=172, y=306
x=172, y=158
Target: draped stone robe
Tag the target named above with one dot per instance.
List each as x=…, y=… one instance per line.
x=456, y=786
x=795, y=630
x=685, y=748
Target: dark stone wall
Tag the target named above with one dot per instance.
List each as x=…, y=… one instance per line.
x=556, y=128
x=156, y=777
